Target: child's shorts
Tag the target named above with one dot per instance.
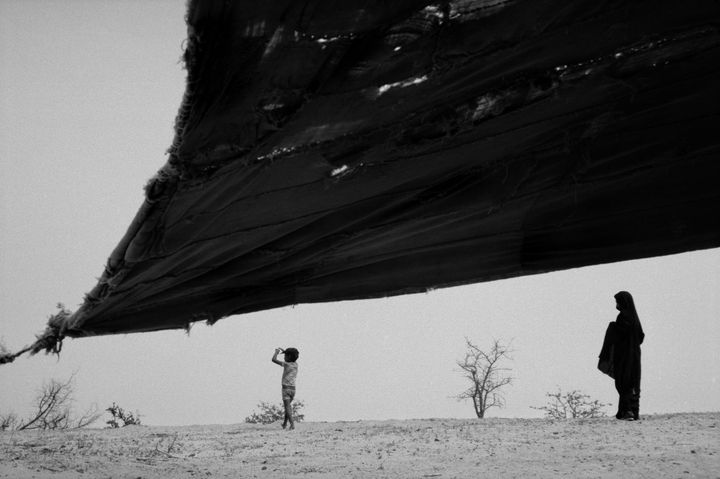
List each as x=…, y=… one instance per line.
x=288, y=393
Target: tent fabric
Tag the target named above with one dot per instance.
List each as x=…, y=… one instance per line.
x=329, y=151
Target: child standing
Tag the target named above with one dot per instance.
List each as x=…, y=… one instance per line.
x=290, y=369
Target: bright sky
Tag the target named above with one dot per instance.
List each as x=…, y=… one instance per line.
x=89, y=90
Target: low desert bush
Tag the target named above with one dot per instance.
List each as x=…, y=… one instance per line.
x=573, y=404
x=121, y=418
x=269, y=413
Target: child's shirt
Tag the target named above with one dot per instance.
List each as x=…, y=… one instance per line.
x=289, y=374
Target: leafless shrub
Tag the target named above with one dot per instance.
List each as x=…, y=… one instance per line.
x=573, y=404
x=52, y=409
x=486, y=375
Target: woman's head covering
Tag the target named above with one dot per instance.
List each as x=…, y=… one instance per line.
x=628, y=317
x=625, y=303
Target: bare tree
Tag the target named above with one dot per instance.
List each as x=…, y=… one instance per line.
x=573, y=404
x=486, y=374
x=53, y=409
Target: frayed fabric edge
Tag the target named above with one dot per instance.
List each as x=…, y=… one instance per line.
x=58, y=324
x=50, y=340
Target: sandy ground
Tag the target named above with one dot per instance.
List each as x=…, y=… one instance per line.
x=674, y=445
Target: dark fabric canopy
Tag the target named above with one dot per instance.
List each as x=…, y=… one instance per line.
x=338, y=150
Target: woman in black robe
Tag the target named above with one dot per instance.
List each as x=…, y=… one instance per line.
x=620, y=356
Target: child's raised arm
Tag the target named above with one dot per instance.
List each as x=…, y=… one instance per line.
x=275, y=359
